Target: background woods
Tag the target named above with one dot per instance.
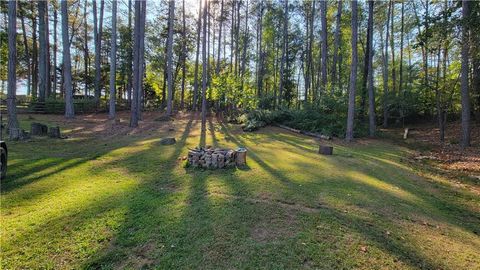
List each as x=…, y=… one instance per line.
x=412, y=61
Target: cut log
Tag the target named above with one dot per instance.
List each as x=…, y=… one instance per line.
x=325, y=150
x=54, y=132
x=308, y=133
x=241, y=157
x=37, y=129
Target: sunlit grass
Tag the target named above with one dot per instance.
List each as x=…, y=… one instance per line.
x=128, y=202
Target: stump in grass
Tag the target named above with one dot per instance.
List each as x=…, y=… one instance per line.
x=38, y=129
x=17, y=134
x=167, y=141
x=54, y=132
x=241, y=157
x=325, y=150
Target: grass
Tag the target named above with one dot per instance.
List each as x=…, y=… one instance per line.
x=128, y=202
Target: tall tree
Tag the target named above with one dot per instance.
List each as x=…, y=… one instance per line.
x=136, y=65
x=130, y=53
x=465, y=142
x=171, y=11
x=353, y=75
x=204, y=69
x=43, y=56
x=217, y=70
x=184, y=54
x=324, y=49
x=67, y=65
x=284, y=52
x=97, y=36
x=34, y=67
x=371, y=93
x=12, y=66
x=27, y=53
x=385, y=71
x=113, y=62
x=55, y=48
x=85, y=48
x=336, y=78
x=195, y=82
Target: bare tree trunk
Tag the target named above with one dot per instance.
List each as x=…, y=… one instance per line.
x=43, y=69
x=324, y=49
x=136, y=66
x=12, y=66
x=195, y=82
x=465, y=142
x=353, y=75
x=284, y=47
x=171, y=11
x=400, y=84
x=55, y=49
x=335, y=79
x=113, y=62
x=392, y=44
x=34, y=53
x=130, y=54
x=385, y=72
x=85, y=48
x=141, y=61
x=245, y=45
x=204, y=70
x=67, y=65
x=97, y=33
x=217, y=71
x=438, y=99
x=27, y=54
x=260, y=51
x=184, y=54
x=371, y=93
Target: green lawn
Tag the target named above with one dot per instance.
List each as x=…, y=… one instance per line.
x=125, y=201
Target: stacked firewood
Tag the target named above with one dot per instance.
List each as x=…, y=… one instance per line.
x=210, y=158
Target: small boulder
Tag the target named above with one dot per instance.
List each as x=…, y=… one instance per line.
x=167, y=141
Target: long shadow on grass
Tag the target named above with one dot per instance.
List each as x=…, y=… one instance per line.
x=364, y=227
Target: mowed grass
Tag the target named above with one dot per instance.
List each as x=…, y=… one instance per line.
x=125, y=201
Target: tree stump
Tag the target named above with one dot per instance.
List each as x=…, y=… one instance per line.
x=54, y=132
x=241, y=157
x=17, y=134
x=38, y=129
x=167, y=141
x=325, y=150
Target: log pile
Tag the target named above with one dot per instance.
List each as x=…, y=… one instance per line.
x=209, y=158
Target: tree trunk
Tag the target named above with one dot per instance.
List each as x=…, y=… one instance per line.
x=217, y=71
x=130, y=54
x=284, y=48
x=337, y=38
x=27, y=54
x=261, y=53
x=184, y=54
x=385, y=72
x=113, y=62
x=371, y=93
x=55, y=49
x=195, y=82
x=204, y=70
x=392, y=44
x=353, y=75
x=171, y=11
x=12, y=66
x=43, y=69
x=34, y=53
x=324, y=49
x=67, y=65
x=85, y=48
x=97, y=33
x=465, y=141
x=141, y=62
x=136, y=66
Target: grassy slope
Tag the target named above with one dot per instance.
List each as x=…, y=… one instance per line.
x=128, y=202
